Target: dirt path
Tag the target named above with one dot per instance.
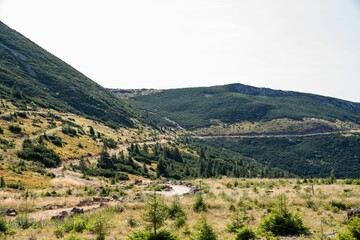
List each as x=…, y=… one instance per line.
x=47, y=214
x=272, y=135
x=176, y=190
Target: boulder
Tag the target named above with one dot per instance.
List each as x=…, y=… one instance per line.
x=60, y=215
x=76, y=210
x=11, y=212
x=354, y=212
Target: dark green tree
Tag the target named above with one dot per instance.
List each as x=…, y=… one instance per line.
x=155, y=212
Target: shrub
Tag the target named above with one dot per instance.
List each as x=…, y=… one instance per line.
x=162, y=235
x=15, y=129
x=245, y=234
x=238, y=221
x=2, y=182
x=203, y=231
x=199, y=205
x=4, y=228
x=339, y=205
x=175, y=210
x=281, y=222
x=39, y=153
x=69, y=131
x=354, y=227
x=109, y=143
x=24, y=222
x=56, y=140
x=155, y=212
x=1, y=130
x=99, y=225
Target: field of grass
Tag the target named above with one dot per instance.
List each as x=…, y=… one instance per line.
x=322, y=208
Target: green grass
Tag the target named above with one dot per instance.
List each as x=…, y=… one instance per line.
x=29, y=73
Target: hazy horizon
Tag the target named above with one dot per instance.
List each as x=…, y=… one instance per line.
x=304, y=46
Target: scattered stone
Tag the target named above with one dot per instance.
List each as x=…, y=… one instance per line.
x=354, y=212
x=101, y=199
x=167, y=188
x=137, y=197
x=52, y=206
x=85, y=203
x=137, y=182
x=11, y=212
x=60, y=215
x=114, y=198
x=102, y=204
x=76, y=210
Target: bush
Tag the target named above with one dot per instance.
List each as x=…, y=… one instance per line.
x=69, y=131
x=281, y=222
x=354, y=227
x=1, y=130
x=24, y=222
x=203, y=231
x=99, y=225
x=39, y=153
x=15, y=129
x=245, y=234
x=238, y=221
x=200, y=205
x=339, y=205
x=56, y=140
x=4, y=228
x=162, y=235
x=175, y=210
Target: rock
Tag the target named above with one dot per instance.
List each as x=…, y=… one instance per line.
x=115, y=198
x=101, y=199
x=167, y=188
x=137, y=182
x=137, y=196
x=354, y=212
x=76, y=210
x=60, y=215
x=84, y=203
x=52, y=206
x=102, y=204
x=11, y=212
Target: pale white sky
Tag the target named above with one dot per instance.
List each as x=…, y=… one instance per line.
x=302, y=45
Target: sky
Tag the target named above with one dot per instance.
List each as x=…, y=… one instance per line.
x=302, y=45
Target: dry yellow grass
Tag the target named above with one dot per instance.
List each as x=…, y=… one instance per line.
x=255, y=195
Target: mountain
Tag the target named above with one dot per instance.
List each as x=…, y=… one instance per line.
x=305, y=134
x=29, y=73
x=195, y=108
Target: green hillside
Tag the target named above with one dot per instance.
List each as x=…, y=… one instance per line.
x=29, y=73
x=314, y=156
x=305, y=134
x=195, y=107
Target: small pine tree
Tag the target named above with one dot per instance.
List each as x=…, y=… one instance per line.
x=145, y=170
x=199, y=205
x=91, y=131
x=203, y=231
x=161, y=168
x=2, y=182
x=155, y=212
x=175, y=210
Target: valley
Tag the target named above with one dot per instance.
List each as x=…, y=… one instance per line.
x=78, y=161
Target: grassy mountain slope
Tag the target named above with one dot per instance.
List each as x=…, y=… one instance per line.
x=314, y=156
x=29, y=73
x=195, y=108
x=304, y=134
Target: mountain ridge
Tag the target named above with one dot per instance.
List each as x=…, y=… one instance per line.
x=31, y=74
